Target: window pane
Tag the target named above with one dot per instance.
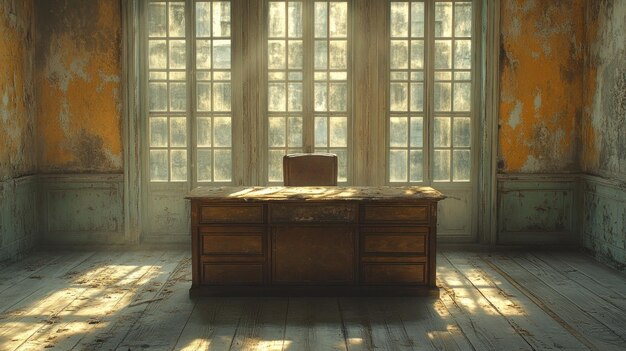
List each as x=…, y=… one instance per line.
x=295, y=132
x=295, y=19
x=399, y=100
x=277, y=97
x=443, y=19
x=204, y=131
x=441, y=135
x=462, y=132
x=463, y=54
x=295, y=97
x=321, y=97
x=222, y=97
x=416, y=158
x=417, y=96
x=221, y=19
x=463, y=19
x=157, y=96
x=221, y=132
x=399, y=54
x=338, y=54
x=417, y=19
x=223, y=165
x=321, y=54
x=399, y=19
x=338, y=97
x=462, y=165
x=295, y=54
x=276, y=134
x=417, y=54
x=203, y=19
x=443, y=99
x=178, y=132
x=338, y=19
x=204, y=96
x=398, y=131
x=177, y=19
x=205, y=165
x=441, y=171
x=156, y=19
x=398, y=165
x=338, y=132
x=277, y=58
x=178, y=165
x=178, y=97
x=178, y=60
x=462, y=96
x=275, y=165
x=158, y=131
x=443, y=54
x=277, y=20
x=321, y=19
x=157, y=54
x=158, y=166
x=321, y=131
x=221, y=54
x=417, y=132
x=203, y=54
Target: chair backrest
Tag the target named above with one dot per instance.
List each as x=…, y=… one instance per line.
x=316, y=169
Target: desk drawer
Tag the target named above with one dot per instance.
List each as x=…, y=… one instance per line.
x=232, y=273
x=231, y=213
x=394, y=273
x=395, y=244
x=395, y=213
x=232, y=241
x=316, y=213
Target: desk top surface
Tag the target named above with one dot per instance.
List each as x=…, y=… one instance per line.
x=314, y=193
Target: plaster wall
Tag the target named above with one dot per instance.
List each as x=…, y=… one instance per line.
x=17, y=115
x=78, y=69
x=603, y=128
x=541, y=64
x=18, y=228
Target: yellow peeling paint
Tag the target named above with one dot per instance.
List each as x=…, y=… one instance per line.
x=17, y=120
x=541, y=84
x=79, y=92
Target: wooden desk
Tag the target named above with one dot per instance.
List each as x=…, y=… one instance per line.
x=314, y=240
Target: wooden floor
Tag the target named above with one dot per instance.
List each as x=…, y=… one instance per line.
x=139, y=300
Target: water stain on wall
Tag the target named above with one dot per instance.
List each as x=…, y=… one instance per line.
x=17, y=115
x=78, y=69
x=542, y=56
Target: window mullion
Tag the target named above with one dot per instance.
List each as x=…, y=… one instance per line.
x=308, y=123
x=429, y=43
x=191, y=92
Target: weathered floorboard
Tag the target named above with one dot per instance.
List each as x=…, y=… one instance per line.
x=578, y=323
x=137, y=300
x=539, y=330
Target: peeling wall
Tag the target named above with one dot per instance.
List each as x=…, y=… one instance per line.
x=78, y=69
x=604, y=122
x=17, y=115
x=603, y=129
x=541, y=64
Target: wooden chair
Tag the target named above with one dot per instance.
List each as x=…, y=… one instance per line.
x=316, y=169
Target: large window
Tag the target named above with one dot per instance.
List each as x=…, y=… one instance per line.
x=305, y=96
x=307, y=65
x=189, y=110
x=430, y=91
